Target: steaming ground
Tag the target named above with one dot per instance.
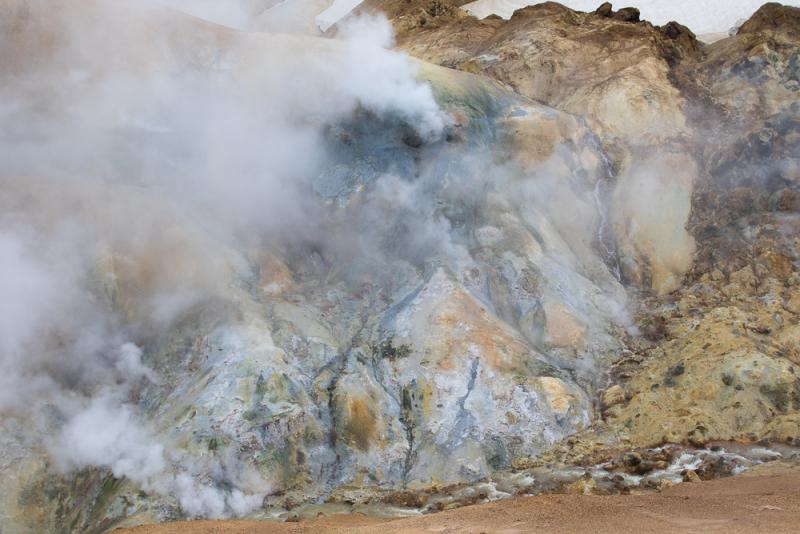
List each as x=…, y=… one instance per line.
x=765, y=501
x=246, y=271
x=91, y=143
x=144, y=177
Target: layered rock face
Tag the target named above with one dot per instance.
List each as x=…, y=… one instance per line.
x=316, y=270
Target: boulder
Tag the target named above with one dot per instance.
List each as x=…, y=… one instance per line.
x=627, y=14
x=605, y=10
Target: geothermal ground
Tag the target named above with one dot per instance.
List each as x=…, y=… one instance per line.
x=398, y=268
x=765, y=500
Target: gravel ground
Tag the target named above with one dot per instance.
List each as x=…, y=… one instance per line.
x=764, y=500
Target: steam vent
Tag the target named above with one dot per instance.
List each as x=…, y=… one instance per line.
x=399, y=266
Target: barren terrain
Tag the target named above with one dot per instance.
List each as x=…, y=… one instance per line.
x=765, y=500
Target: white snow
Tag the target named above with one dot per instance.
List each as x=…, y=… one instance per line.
x=338, y=10
x=701, y=16
x=308, y=16
x=231, y=13
x=291, y=16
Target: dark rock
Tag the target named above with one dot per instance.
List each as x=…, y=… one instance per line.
x=632, y=459
x=654, y=328
x=785, y=200
x=741, y=200
x=627, y=14
x=673, y=30
x=605, y=10
x=412, y=139
x=695, y=442
x=644, y=468
x=773, y=17
x=676, y=370
x=672, y=372
x=682, y=43
x=727, y=379
x=762, y=330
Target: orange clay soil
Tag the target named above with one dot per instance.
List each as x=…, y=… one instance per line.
x=766, y=500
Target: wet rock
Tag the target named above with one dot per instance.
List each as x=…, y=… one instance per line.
x=632, y=459
x=407, y=499
x=691, y=476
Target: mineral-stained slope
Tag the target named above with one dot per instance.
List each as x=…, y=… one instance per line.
x=604, y=203
x=703, y=144
x=448, y=319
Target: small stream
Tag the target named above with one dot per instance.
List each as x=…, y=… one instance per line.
x=640, y=471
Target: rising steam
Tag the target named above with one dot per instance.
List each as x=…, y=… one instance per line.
x=100, y=123
x=140, y=166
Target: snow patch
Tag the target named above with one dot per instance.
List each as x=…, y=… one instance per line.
x=708, y=16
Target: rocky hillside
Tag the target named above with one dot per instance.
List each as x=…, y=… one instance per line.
x=315, y=271
x=703, y=149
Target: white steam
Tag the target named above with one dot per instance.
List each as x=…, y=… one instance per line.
x=146, y=153
x=104, y=113
x=106, y=434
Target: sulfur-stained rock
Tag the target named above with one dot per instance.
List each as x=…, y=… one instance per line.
x=785, y=428
x=726, y=389
x=691, y=476
x=652, y=206
x=613, y=396
x=561, y=327
x=301, y=375
x=589, y=167
x=483, y=384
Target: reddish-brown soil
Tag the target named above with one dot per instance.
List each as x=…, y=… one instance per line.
x=767, y=500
